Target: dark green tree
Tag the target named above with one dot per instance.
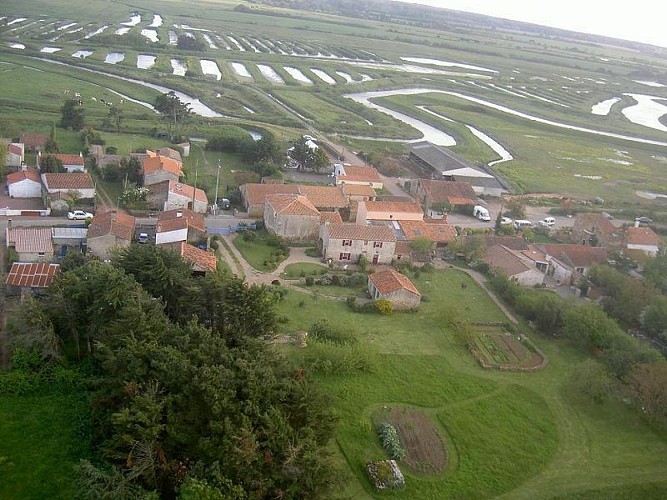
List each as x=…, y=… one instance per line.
x=115, y=117
x=72, y=115
x=50, y=164
x=51, y=145
x=131, y=169
x=308, y=157
x=172, y=110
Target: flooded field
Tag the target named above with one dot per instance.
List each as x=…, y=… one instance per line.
x=145, y=61
x=324, y=76
x=82, y=54
x=240, y=69
x=270, y=73
x=114, y=57
x=178, y=66
x=297, y=75
x=210, y=68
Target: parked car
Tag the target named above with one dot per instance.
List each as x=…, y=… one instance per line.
x=506, y=221
x=79, y=215
x=522, y=223
x=142, y=238
x=644, y=220
x=547, y=222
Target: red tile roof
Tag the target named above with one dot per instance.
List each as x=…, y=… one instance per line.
x=454, y=193
x=170, y=153
x=324, y=196
x=331, y=217
x=67, y=159
x=15, y=149
x=292, y=204
x=34, y=140
x=118, y=224
x=187, y=191
x=393, y=206
x=30, y=239
x=255, y=194
x=576, y=255
x=29, y=173
x=359, y=232
x=74, y=180
x=502, y=258
x=157, y=163
x=32, y=275
x=358, y=190
x=389, y=281
x=173, y=220
x=202, y=260
x=355, y=173
x=436, y=232
x=642, y=236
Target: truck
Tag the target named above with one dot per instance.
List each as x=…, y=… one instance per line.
x=481, y=213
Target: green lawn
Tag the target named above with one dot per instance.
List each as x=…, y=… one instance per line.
x=513, y=434
x=302, y=269
x=42, y=439
x=257, y=252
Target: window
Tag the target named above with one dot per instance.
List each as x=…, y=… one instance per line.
x=347, y=243
x=377, y=244
x=344, y=256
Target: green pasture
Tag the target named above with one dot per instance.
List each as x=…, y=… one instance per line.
x=258, y=252
x=516, y=435
x=300, y=270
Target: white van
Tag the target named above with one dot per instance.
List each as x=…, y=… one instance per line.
x=520, y=224
x=548, y=221
x=481, y=213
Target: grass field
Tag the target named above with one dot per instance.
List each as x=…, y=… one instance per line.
x=512, y=434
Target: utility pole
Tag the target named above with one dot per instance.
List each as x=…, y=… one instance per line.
x=217, y=180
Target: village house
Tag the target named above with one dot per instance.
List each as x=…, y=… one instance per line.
x=345, y=243
x=71, y=163
x=388, y=211
x=357, y=192
x=324, y=198
x=330, y=217
x=353, y=174
x=30, y=278
x=31, y=244
x=15, y=153
x=438, y=232
x=171, y=195
x=202, y=261
x=253, y=195
x=596, y=230
x=514, y=265
x=438, y=196
x=59, y=188
x=25, y=183
x=169, y=153
x=292, y=217
x=395, y=287
x=185, y=147
x=157, y=168
x=68, y=239
x=180, y=225
x=34, y=142
x=109, y=230
x=566, y=262
x=642, y=239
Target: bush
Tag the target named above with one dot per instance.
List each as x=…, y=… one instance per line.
x=332, y=359
x=310, y=281
x=324, y=331
x=384, y=307
x=390, y=440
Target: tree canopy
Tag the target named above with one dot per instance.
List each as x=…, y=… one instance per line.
x=308, y=157
x=72, y=115
x=173, y=110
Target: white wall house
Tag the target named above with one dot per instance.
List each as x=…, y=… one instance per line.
x=25, y=183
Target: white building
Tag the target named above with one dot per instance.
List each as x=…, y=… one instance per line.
x=25, y=183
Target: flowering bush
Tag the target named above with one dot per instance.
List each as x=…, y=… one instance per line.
x=390, y=440
x=385, y=474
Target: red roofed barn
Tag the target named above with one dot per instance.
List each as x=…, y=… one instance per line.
x=395, y=287
x=291, y=216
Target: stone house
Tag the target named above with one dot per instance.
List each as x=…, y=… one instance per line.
x=596, y=230
x=253, y=195
x=566, y=263
x=71, y=163
x=354, y=174
x=642, y=239
x=15, y=154
x=180, y=225
x=395, y=287
x=157, y=169
x=324, y=198
x=59, y=188
x=514, y=265
x=388, y=211
x=439, y=233
x=292, y=217
x=109, y=230
x=345, y=243
x=30, y=278
x=169, y=153
x=171, y=195
x=32, y=244
x=25, y=183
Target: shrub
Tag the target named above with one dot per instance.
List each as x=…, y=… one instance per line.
x=312, y=252
x=384, y=307
x=390, y=440
x=332, y=359
x=310, y=280
x=324, y=331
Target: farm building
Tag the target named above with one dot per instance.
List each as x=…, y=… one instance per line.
x=596, y=230
x=71, y=163
x=15, y=154
x=345, y=243
x=68, y=239
x=514, y=265
x=324, y=198
x=25, y=277
x=440, y=161
x=292, y=217
x=568, y=262
x=32, y=244
x=395, y=287
x=109, y=230
x=643, y=239
x=357, y=192
x=60, y=187
x=437, y=194
x=26, y=183
x=157, y=168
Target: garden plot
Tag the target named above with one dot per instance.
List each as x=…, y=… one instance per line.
x=240, y=69
x=82, y=54
x=322, y=75
x=297, y=75
x=236, y=42
x=495, y=347
x=210, y=68
x=150, y=34
x=98, y=31
x=114, y=57
x=50, y=50
x=270, y=73
x=157, y=21
x=145, y=61
x=425, y=450
x=209, y=42
x=178, y=66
